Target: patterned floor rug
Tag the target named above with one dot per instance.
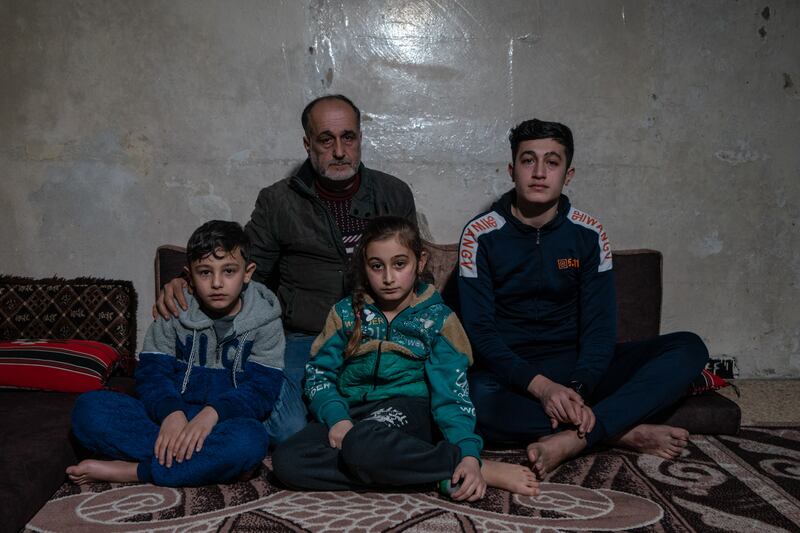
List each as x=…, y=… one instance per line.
x=746, y=483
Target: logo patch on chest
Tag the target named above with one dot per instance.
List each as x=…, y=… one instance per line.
x=565, y=264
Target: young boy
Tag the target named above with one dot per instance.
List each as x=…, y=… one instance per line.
x=537, y=299
x=205, y=380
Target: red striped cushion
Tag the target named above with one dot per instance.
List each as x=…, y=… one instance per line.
x=709, y=381
x=58, y=365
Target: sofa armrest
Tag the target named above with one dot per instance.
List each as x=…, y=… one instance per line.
x=169, y=262
x=638, y=280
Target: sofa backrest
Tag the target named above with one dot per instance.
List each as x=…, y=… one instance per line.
x=637, y=276
x=93, y=309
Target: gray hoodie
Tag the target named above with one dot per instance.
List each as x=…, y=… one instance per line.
x=182, y=361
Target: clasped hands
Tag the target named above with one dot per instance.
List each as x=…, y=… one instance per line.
x=179, y=438
x=562, y=404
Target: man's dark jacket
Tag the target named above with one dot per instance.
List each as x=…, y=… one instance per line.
x=298, y=248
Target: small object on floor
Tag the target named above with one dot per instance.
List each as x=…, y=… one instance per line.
x=446, y=488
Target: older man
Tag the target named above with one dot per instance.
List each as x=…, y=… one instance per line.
x=303, y=230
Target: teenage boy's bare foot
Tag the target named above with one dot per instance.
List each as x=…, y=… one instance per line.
x=548, y=452
x=662, y=441
x=518, y=479
x=91, y=470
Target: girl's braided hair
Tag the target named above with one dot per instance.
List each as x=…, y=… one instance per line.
x=379, y=229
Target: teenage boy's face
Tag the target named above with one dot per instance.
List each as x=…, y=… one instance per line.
x=539, y=171
x=217, y=280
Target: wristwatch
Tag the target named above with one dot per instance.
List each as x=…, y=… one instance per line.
x=579, y=387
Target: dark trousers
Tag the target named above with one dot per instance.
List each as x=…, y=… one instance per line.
x=644, y=377
x=391, y=444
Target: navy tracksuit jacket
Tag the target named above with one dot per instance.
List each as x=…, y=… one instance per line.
x=542, y=301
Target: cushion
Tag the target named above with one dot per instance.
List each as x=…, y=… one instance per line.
x=709, y=381
x=94, y=309
x=704, y=412
x=56, y=365
x=708, y=413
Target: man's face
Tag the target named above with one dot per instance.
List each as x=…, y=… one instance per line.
x=217, y=280
x=333, y=141
x=539, y=171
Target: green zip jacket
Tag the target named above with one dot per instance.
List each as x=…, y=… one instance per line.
x=423, y=352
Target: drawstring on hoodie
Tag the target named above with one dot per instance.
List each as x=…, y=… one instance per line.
x=190, y=364
x=238, y=357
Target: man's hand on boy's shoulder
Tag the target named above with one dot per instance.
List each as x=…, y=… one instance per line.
x=170, y=297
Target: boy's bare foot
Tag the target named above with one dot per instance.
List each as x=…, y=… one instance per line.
x=548, y=452
x=91, y=470
x=662, y=441
x=518, y=479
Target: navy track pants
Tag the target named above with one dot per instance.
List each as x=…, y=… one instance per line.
x=117, y=426
x=644, y=378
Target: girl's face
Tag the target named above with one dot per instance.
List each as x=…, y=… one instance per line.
x=392, y=270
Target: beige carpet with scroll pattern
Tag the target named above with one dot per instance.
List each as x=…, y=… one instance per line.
x=747, y=483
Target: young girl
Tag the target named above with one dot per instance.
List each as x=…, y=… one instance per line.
x=387, y=372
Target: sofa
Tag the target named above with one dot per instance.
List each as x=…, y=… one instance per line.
x=35, y=445
x=638, y=279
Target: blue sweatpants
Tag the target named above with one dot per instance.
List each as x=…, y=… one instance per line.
x=117, y=426
x=644, y=378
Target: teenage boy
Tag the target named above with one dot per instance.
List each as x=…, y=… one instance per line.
x=537, y=299
x=205, y=380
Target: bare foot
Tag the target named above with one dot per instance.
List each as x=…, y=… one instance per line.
x=518, y=479
x=548, y=452
x=91, y=470
x=662, y=441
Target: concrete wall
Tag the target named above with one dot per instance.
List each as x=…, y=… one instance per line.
x=126, y=124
